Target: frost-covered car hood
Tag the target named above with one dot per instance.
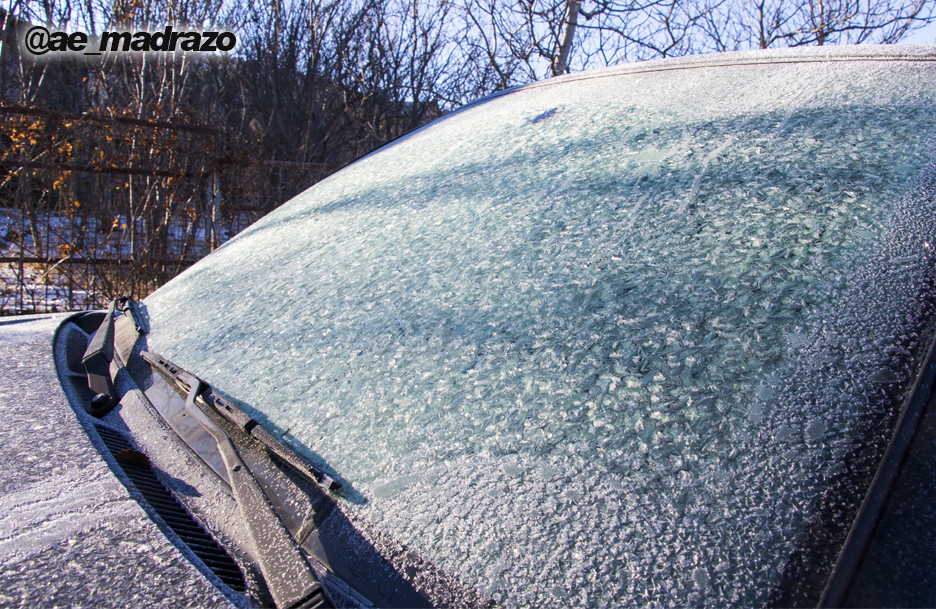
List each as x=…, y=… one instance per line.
x=632, y=336
x=70, y=533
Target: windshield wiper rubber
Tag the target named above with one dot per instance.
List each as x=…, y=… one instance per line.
x=244, y=421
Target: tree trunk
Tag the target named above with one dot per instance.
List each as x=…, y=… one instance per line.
x=560, y=64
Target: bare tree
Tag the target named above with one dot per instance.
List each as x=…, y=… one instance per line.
x=150, y=157
x=518, y=40
x=131, y=167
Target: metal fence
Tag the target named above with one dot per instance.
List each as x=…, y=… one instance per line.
x=92, y=207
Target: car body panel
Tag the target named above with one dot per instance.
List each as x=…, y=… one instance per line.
x=72, y=532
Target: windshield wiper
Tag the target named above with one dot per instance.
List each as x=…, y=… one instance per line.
x=290, y=579
x=99, y=355
x=245, y=422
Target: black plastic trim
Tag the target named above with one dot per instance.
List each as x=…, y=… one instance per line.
x=862, y=530
x=173, y=514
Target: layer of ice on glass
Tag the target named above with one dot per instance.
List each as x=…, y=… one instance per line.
x=599, y=343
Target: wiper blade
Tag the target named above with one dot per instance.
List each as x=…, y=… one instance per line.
x=245, y=422
x=249, y=425
x=290, y=579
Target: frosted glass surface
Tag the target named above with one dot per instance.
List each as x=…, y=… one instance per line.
x=593, y=343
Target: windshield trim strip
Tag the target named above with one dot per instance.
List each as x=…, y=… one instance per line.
x=853, y=551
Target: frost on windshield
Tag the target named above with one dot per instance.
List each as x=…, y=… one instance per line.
x=599, y=343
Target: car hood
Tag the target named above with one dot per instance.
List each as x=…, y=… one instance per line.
x=70, y=531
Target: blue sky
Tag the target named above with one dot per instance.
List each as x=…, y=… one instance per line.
x=926, y=35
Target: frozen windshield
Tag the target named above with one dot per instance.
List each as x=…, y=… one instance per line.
x=601, y=342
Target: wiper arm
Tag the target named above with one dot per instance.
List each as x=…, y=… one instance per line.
x=290, y=579
x=100, y=354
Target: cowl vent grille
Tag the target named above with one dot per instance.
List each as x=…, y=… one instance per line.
x=171, y=511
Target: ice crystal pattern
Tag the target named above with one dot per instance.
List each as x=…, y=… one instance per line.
x=615, y=356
